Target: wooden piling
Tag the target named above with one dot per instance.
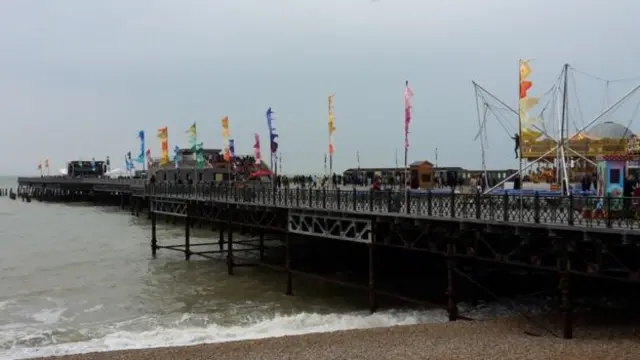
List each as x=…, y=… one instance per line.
x=154, y=240
x=221, y=238
x=187, y=233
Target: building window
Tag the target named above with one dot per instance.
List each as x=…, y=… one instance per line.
x=425, y=178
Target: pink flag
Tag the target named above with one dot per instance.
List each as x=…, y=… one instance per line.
x=256, y=150
x=408, y=95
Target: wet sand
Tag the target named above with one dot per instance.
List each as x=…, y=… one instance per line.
x=507, y=338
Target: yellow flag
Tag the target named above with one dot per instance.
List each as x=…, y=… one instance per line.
x=525, y=70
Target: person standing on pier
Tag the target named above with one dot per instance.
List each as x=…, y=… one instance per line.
x=516, y=139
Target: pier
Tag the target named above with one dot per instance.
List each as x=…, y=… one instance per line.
x=437, y=247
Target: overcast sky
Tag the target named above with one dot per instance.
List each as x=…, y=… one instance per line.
x=79, y=79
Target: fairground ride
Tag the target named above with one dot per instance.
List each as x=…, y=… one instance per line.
x=556, y=145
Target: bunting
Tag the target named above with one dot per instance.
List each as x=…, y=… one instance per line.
x=225, y=138
x=525, y=103
x=272, y=131
x=163, y=135
x=408, y=96
x=141, y=157
x=256, y=149
x=331, y=124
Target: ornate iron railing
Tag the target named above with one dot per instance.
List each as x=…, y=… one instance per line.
x=573, y=210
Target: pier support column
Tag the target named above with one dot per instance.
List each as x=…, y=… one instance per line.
x=452, y=306
x=261, y=244
x=230, y=247
x=373, y=299
x=566, y=308
x=154, y=240
x=221, y=238
x=187, y=234
x=287, y=239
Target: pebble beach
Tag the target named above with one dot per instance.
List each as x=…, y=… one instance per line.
x=505, y=338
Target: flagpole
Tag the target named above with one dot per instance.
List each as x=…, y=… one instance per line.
x=406, y=175
x=520, y=137
x=358, y=161
x=395, y=175
x=408, y=95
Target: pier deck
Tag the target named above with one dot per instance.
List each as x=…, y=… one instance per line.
x=559, y=236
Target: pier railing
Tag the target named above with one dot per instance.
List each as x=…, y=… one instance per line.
x=61, y=180
x=572, y=210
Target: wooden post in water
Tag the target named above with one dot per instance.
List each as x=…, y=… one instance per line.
x=287, y=239
x=187, y=233
x=452, y=307
x=221, y=238
x=154, y=240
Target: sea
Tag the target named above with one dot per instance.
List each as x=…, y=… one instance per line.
x=76, y=278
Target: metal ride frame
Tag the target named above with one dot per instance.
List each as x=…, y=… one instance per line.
x=562, y=141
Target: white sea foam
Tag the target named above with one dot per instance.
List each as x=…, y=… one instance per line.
x=113, y=337
x=48, y=316
x=54, y=336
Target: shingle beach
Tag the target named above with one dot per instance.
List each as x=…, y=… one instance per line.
x=506, y=338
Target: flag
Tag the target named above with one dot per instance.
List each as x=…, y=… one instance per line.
x=192, y=132
x=40, y=166
x=140, y=157
x=176, y=157
x=256, y=149
x=331, y=123
x=272, y=131
x=129, y=163
x=232, y=149
x=225, y=138
x=192, y=136
x=408, y=96
x=46, y=163
x=163, y=135
x=526, y=123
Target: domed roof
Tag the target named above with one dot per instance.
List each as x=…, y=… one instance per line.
x=609, y=130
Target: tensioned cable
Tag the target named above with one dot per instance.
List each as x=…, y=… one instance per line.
x=633, y=78
x=580, y=113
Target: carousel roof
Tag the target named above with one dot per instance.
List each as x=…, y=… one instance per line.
x=609, y=130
